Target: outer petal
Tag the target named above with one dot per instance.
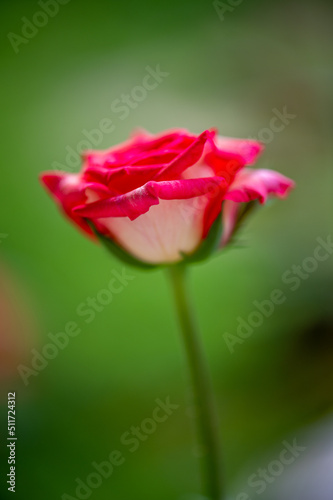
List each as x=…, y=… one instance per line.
x=229, y=219
x=161, y=234
x=69, y=191
x=252, y=184
x=213, y=208
x=139, y=201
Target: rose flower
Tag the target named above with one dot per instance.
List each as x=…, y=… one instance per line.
x=158, y=198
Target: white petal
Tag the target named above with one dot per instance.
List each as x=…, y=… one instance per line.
x=160, y=235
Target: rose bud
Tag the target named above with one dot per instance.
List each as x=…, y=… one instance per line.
x=160, y=199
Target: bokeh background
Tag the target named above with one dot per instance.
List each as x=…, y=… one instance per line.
x=229, y=73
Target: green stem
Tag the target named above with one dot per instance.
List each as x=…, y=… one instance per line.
x=206, y=410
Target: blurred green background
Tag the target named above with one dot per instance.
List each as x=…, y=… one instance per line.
x=228, y=73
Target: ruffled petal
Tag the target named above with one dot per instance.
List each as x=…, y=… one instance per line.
x=141, y=147
x=252, y=184
x=70, y=191
x=138, y=201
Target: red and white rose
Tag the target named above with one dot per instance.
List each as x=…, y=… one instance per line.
x=157, y=196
